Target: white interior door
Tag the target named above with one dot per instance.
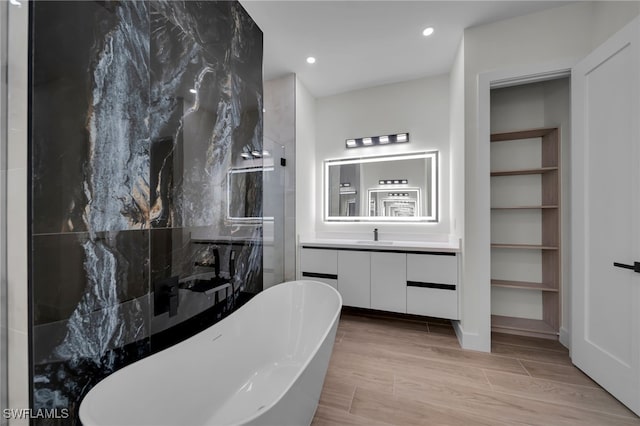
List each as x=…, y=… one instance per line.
x=605, y=340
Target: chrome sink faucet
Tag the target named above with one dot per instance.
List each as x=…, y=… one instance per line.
x=375, y=234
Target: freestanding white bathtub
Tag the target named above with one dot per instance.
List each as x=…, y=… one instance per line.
x=263, y=365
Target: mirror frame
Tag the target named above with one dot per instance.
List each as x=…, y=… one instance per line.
x=435, y=187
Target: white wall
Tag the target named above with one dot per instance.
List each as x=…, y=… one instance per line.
x=306, y=209
x=456, y=137
x=609, y=17
x=420, y=107
x=560, y=34
x=17, y=255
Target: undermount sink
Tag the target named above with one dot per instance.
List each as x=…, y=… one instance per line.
x=382, y=243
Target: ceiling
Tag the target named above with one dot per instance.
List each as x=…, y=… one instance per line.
x=362, y=44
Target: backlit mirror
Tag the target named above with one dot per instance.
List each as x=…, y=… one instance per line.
x=243, y=186
x=397, y=188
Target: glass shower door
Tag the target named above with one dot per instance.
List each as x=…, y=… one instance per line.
x=3, y=205
x=273, y=213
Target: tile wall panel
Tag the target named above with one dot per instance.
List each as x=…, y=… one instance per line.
x=139, y=112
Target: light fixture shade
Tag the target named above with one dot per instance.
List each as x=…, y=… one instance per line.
x=376, y=140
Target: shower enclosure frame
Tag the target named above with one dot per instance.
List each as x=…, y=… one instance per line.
x=4, y=331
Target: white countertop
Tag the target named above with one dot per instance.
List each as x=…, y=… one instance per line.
x=425, y=246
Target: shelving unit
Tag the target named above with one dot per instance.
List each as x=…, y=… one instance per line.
x=549, y=245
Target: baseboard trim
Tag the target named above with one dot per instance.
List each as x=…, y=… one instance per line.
x=565, y=338
x=471, y=341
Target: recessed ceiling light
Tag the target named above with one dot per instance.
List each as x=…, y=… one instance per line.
x=427, y=31
x=311, y=60
x=193, y=91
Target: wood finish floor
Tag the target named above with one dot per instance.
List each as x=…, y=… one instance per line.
x=386, y=371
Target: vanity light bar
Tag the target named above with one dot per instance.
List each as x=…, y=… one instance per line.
x=345, y=185
x=377, y=140
x=398, y=194
x=392, y=181
x=254, y=154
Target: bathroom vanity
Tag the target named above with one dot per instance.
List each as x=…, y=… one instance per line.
x=395, y=276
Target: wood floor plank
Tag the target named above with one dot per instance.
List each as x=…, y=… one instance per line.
x=558, y=373
x=401, y=363
x=504, y=407
x=405, y=337
x=391, y=372
x=381, y=323
x=533, y=342
x=531, y=354
x=441, y=329
x=429, y=350
x=401, y=411
x=397, y=327
x=475, y=359
x=582, y=397
x=439, y=321
x=330, y=416
x=337, y=393
x=361, y=372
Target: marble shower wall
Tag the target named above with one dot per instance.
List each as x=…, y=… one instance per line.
x=139, y=110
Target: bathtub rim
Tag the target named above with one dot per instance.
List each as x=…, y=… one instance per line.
x=302, y=369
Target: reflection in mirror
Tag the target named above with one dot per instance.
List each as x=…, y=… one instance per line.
x=403, y=203
x=242, y=186
x=383, y=188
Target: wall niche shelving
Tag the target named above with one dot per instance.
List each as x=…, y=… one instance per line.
x=525, y=218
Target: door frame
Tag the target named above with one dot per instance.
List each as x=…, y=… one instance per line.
x=514, y=76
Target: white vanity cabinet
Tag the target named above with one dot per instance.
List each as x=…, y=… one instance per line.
x=411, y=280
x=319, y=264
x=389, y=281
x=354, y=275
x=432, y=285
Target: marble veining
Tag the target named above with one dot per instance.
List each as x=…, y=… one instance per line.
x=116, y=184
x=124, y=149
x=106, y=328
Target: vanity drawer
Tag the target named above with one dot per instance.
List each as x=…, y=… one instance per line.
x=432, y=285
x=432, y=301
x=433, y=268
x=318, y=261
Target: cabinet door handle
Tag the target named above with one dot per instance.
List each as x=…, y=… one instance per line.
x=635, y=267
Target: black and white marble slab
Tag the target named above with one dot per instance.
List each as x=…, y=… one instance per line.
x=139, y=110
